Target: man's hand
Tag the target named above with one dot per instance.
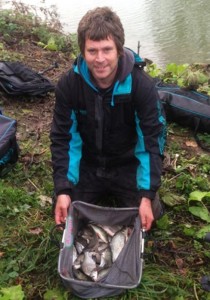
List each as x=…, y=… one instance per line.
x=145, y=213
x=61, y=208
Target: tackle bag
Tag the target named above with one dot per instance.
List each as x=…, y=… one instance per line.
x=186, y=107
x=126, y=271
x=18, y=79
x=8, y=145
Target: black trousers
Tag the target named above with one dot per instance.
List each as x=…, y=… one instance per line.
x=114, y=186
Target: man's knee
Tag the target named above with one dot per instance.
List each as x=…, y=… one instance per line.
x=157, y=207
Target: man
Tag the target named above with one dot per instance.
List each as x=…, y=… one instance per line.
x=108, y=131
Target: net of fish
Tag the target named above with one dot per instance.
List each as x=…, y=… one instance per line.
x=102, y=250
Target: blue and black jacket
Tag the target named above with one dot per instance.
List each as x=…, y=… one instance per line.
x=108, y=128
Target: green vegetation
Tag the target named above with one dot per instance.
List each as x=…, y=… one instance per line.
x=194, y=76
x=39, y=26
x=176, y=255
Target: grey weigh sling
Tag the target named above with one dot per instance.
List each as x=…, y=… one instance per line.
x=125, y=272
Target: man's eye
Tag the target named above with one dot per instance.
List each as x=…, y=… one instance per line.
x=92, y=51
x=107, y=50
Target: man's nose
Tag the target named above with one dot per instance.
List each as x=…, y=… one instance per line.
x=100, y=56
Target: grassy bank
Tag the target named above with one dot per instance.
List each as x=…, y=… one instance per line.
x=176, y=257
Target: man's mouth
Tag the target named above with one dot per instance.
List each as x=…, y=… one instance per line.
x=100, y=68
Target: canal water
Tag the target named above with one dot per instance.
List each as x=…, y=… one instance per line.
x=168, y=30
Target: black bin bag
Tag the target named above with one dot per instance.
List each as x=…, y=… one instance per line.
x=125, y=272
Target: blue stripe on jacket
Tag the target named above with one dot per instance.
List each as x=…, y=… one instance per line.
x=143, y=170
x=75, y=151
x=162, y=136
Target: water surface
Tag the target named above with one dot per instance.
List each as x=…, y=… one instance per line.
x=168, y=30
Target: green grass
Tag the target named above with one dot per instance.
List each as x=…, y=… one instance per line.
x=29, y=258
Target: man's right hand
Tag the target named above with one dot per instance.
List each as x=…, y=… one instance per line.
x=61, y=209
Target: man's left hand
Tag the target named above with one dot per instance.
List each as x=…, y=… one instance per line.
x=145, y=213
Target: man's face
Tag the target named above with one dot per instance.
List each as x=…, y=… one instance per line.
x=102, y=60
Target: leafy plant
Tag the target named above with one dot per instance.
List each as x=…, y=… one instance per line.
x=194, y=76
x=200, y=210
x=153, y=70
x=12, y=293
x=174, y=73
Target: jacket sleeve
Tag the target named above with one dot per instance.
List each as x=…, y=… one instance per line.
x=65, y=139
x=151, y=132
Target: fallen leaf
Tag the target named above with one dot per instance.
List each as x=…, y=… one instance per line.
x=150, y=244
x=183, y=272
x=179, y=263
x=171, y=199
x=36, y=231
x=1, y=254
x=44, y=200
x=191, y=144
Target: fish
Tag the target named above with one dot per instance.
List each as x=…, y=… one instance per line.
x=78, y=261
x=88, y=264
x=102, y=246
x=102, y=273
x=107, y=256
x=110, y=230
x=87, y=233
x=97, y=257
x=80, y=245
x=74, y=254
x=99, y=232
x=117, y=243
x=94, y=275
x=87, y=239
x=97, y=248
x=78, y=274
x=93, y=242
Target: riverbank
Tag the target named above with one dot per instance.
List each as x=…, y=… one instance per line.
x=175, y=258
x=179, y=33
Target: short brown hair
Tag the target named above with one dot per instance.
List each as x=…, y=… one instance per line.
x=99, y=24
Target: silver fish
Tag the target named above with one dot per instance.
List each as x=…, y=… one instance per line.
x=100, y=233
x=87, y=233
x=102, y=246
x=97, y=257
x=102, y=273
x=94, y=275
x=111, y=230
x=80, y=275
x=102, y=262
x=93, y=243
x=78, y=261
x=79, y=246
x=74, y=257
x=117, y=243
x=107, y=256
x=88, y=264
x=99, y=246
x=90, y=238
